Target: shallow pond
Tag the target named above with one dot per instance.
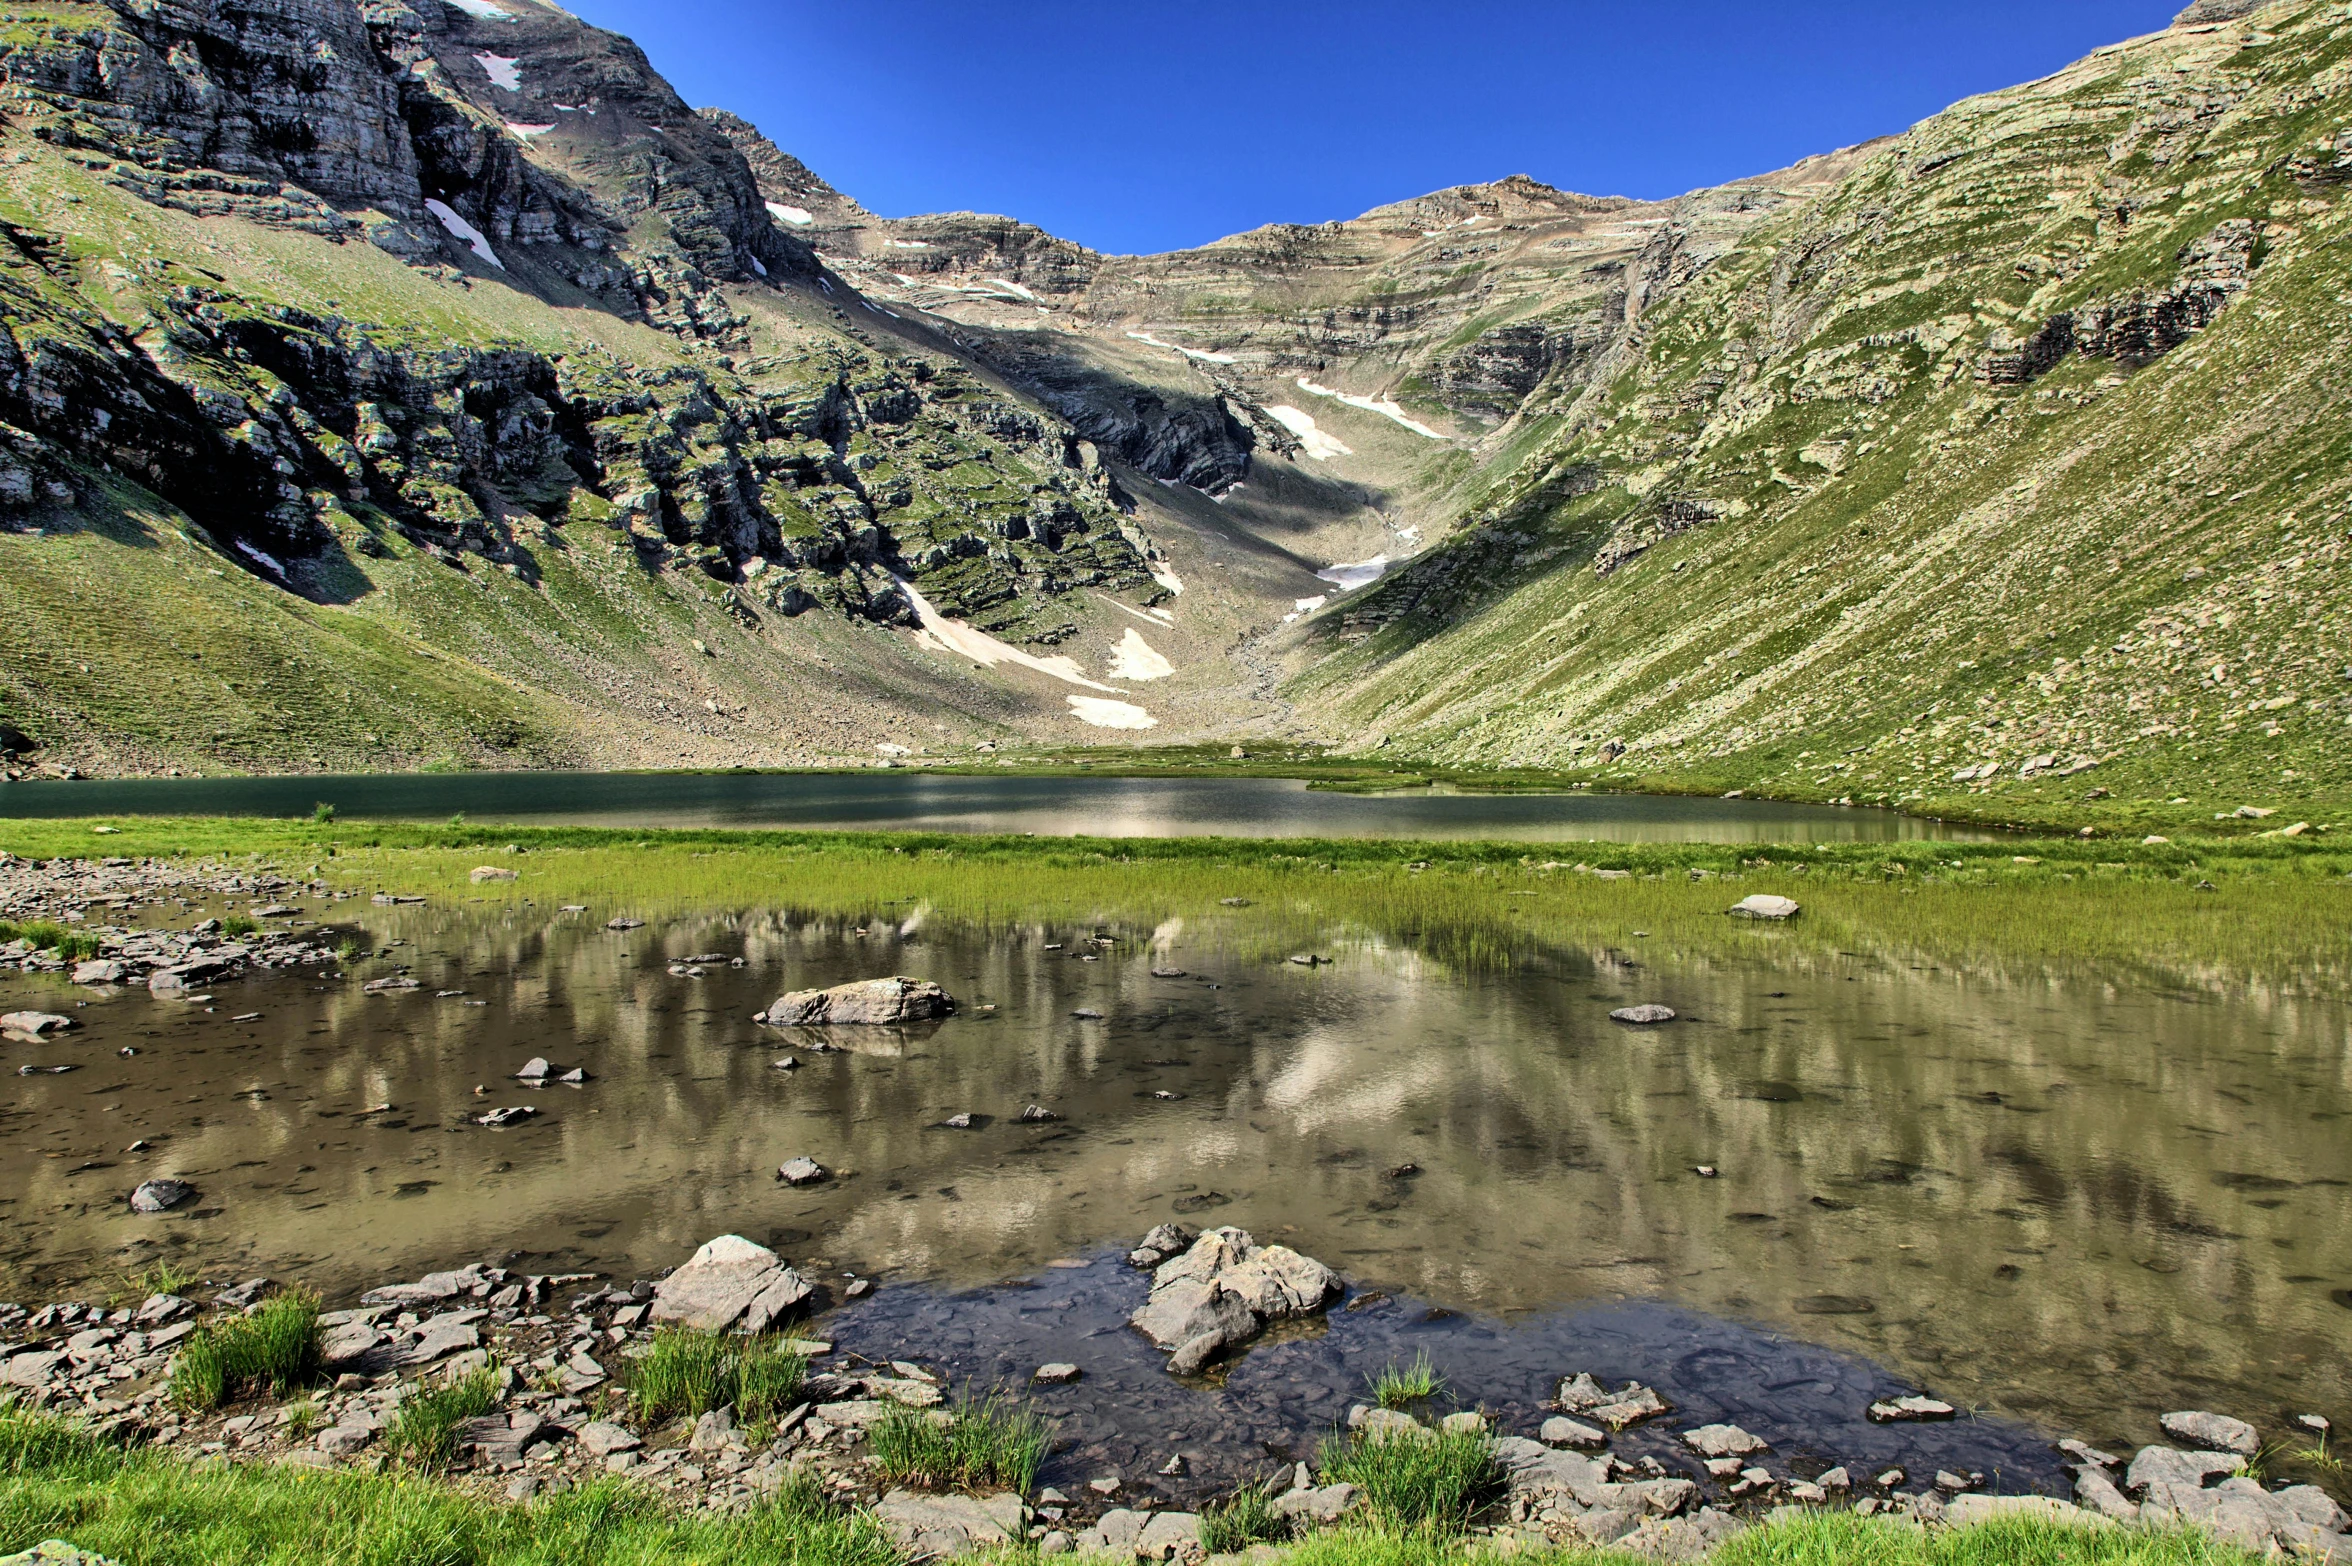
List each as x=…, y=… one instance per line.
x=2052, y=1197
x=918, y=801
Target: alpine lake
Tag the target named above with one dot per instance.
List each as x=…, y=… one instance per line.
x=2062, y=1195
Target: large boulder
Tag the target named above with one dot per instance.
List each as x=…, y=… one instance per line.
x=1220, y=1292
x=867, y=1003
x=730, y=1283
x=35, y=1024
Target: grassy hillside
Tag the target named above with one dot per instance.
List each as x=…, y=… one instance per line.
x=1852, y=517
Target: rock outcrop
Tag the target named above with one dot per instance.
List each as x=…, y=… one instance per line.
x=1222, y=1291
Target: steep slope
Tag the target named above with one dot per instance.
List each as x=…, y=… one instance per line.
x=2015, y=454
x=386, y=386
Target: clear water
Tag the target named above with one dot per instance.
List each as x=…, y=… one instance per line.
x=2058, y=1198
x=916, y=801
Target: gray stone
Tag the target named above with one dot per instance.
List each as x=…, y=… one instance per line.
x=32, y=1369
x=1764, y=906
x=1278, y=1282
x=801, y=1171
x=1534, y=1470
x=933, y=1527
x=1897, y=1410
x=343, y=1440
x=345, y=1344
x=1722, y=1441
x=1385, y=1424
x=1167, y=1535
x=2164, y=1466
x=161, y=1196
x=1560, y=1430
x=1057, y=1374
x=868, y=1003
x=35, y=1024
x=730, y=1282
x=1321, y=1506
x=2095, y=1492
x=1467, y=1422
x=536, y=1069
x=443, y=1336
x=2212, y=1432
x=603, y=1439
x=1169, y=1239
x=1185, y=1309
x=160, y=1309
x=1642, y=1015
x=714, y=1431
x=99, y=970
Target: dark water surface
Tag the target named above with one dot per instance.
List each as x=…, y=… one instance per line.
x=2064, y=1199
x=917, y=801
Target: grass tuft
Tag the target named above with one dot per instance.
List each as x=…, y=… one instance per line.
x=1435, y=1480
x=1245, y=1518
x=423, y=1430
x=275, y=1348
x=686, y=1373
x=991, y=1441
x=238, y=926
x=1410, y=1387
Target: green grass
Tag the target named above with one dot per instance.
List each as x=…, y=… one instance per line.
x=686, y=1373
x=157, y=1277
x=1245, y=1518
x=276, y=1349
x=422, y=1433
x=1404, y=1388
x=46, y=935
x=2194, y=912
x=148, y=1508
x=238, y=926
x=991, y=1442
x=151, y=1509
x=1436, y=1480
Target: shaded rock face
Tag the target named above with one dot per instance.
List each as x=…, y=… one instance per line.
x=275, y=93
x=1160, y=432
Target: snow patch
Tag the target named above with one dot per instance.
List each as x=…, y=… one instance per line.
x=758, y=267
x=461, y=229
x=1386, y=407
x=1347, y=578
x=1011, y=288
x=526, y=132
x=798, y=217
x=1103, y=714
x=503, y=70
x=1189, y=353
x=1147, y=616
x=1320, y=446
x=484, y=9
x=909, y=244
x=1136, y=659
x=278, y=570
x=953, y=636
x=1167, y=578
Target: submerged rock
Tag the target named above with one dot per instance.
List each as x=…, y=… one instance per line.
x=1642, y=1015
x=867, y=1003
x=1901, y=1410
x=161, y=1196
x=730, y=1283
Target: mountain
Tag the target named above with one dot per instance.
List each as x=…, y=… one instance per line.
x=404, y=385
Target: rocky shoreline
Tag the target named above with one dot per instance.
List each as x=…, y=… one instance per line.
x=87, y=898
x=561, y=1349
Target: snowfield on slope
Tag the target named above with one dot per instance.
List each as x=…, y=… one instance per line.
x=1386, y=407
x=1319, y=445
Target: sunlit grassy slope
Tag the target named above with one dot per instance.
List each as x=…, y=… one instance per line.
x=1793, y=540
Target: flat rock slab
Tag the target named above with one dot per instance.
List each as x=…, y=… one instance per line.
x=934, y=1527
x=868, y=1003
x=2212, y=1432
x=38, y=1024
x=730, y=1283
x=1642, y=1016
x=161, y=1196
x=1910, y=1410
x=1722, y=1441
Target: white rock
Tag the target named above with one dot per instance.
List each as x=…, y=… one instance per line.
x=1764, y=906
x=871, y=1002
x=730, y=1283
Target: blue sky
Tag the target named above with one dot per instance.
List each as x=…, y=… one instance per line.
x=1139, y=125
